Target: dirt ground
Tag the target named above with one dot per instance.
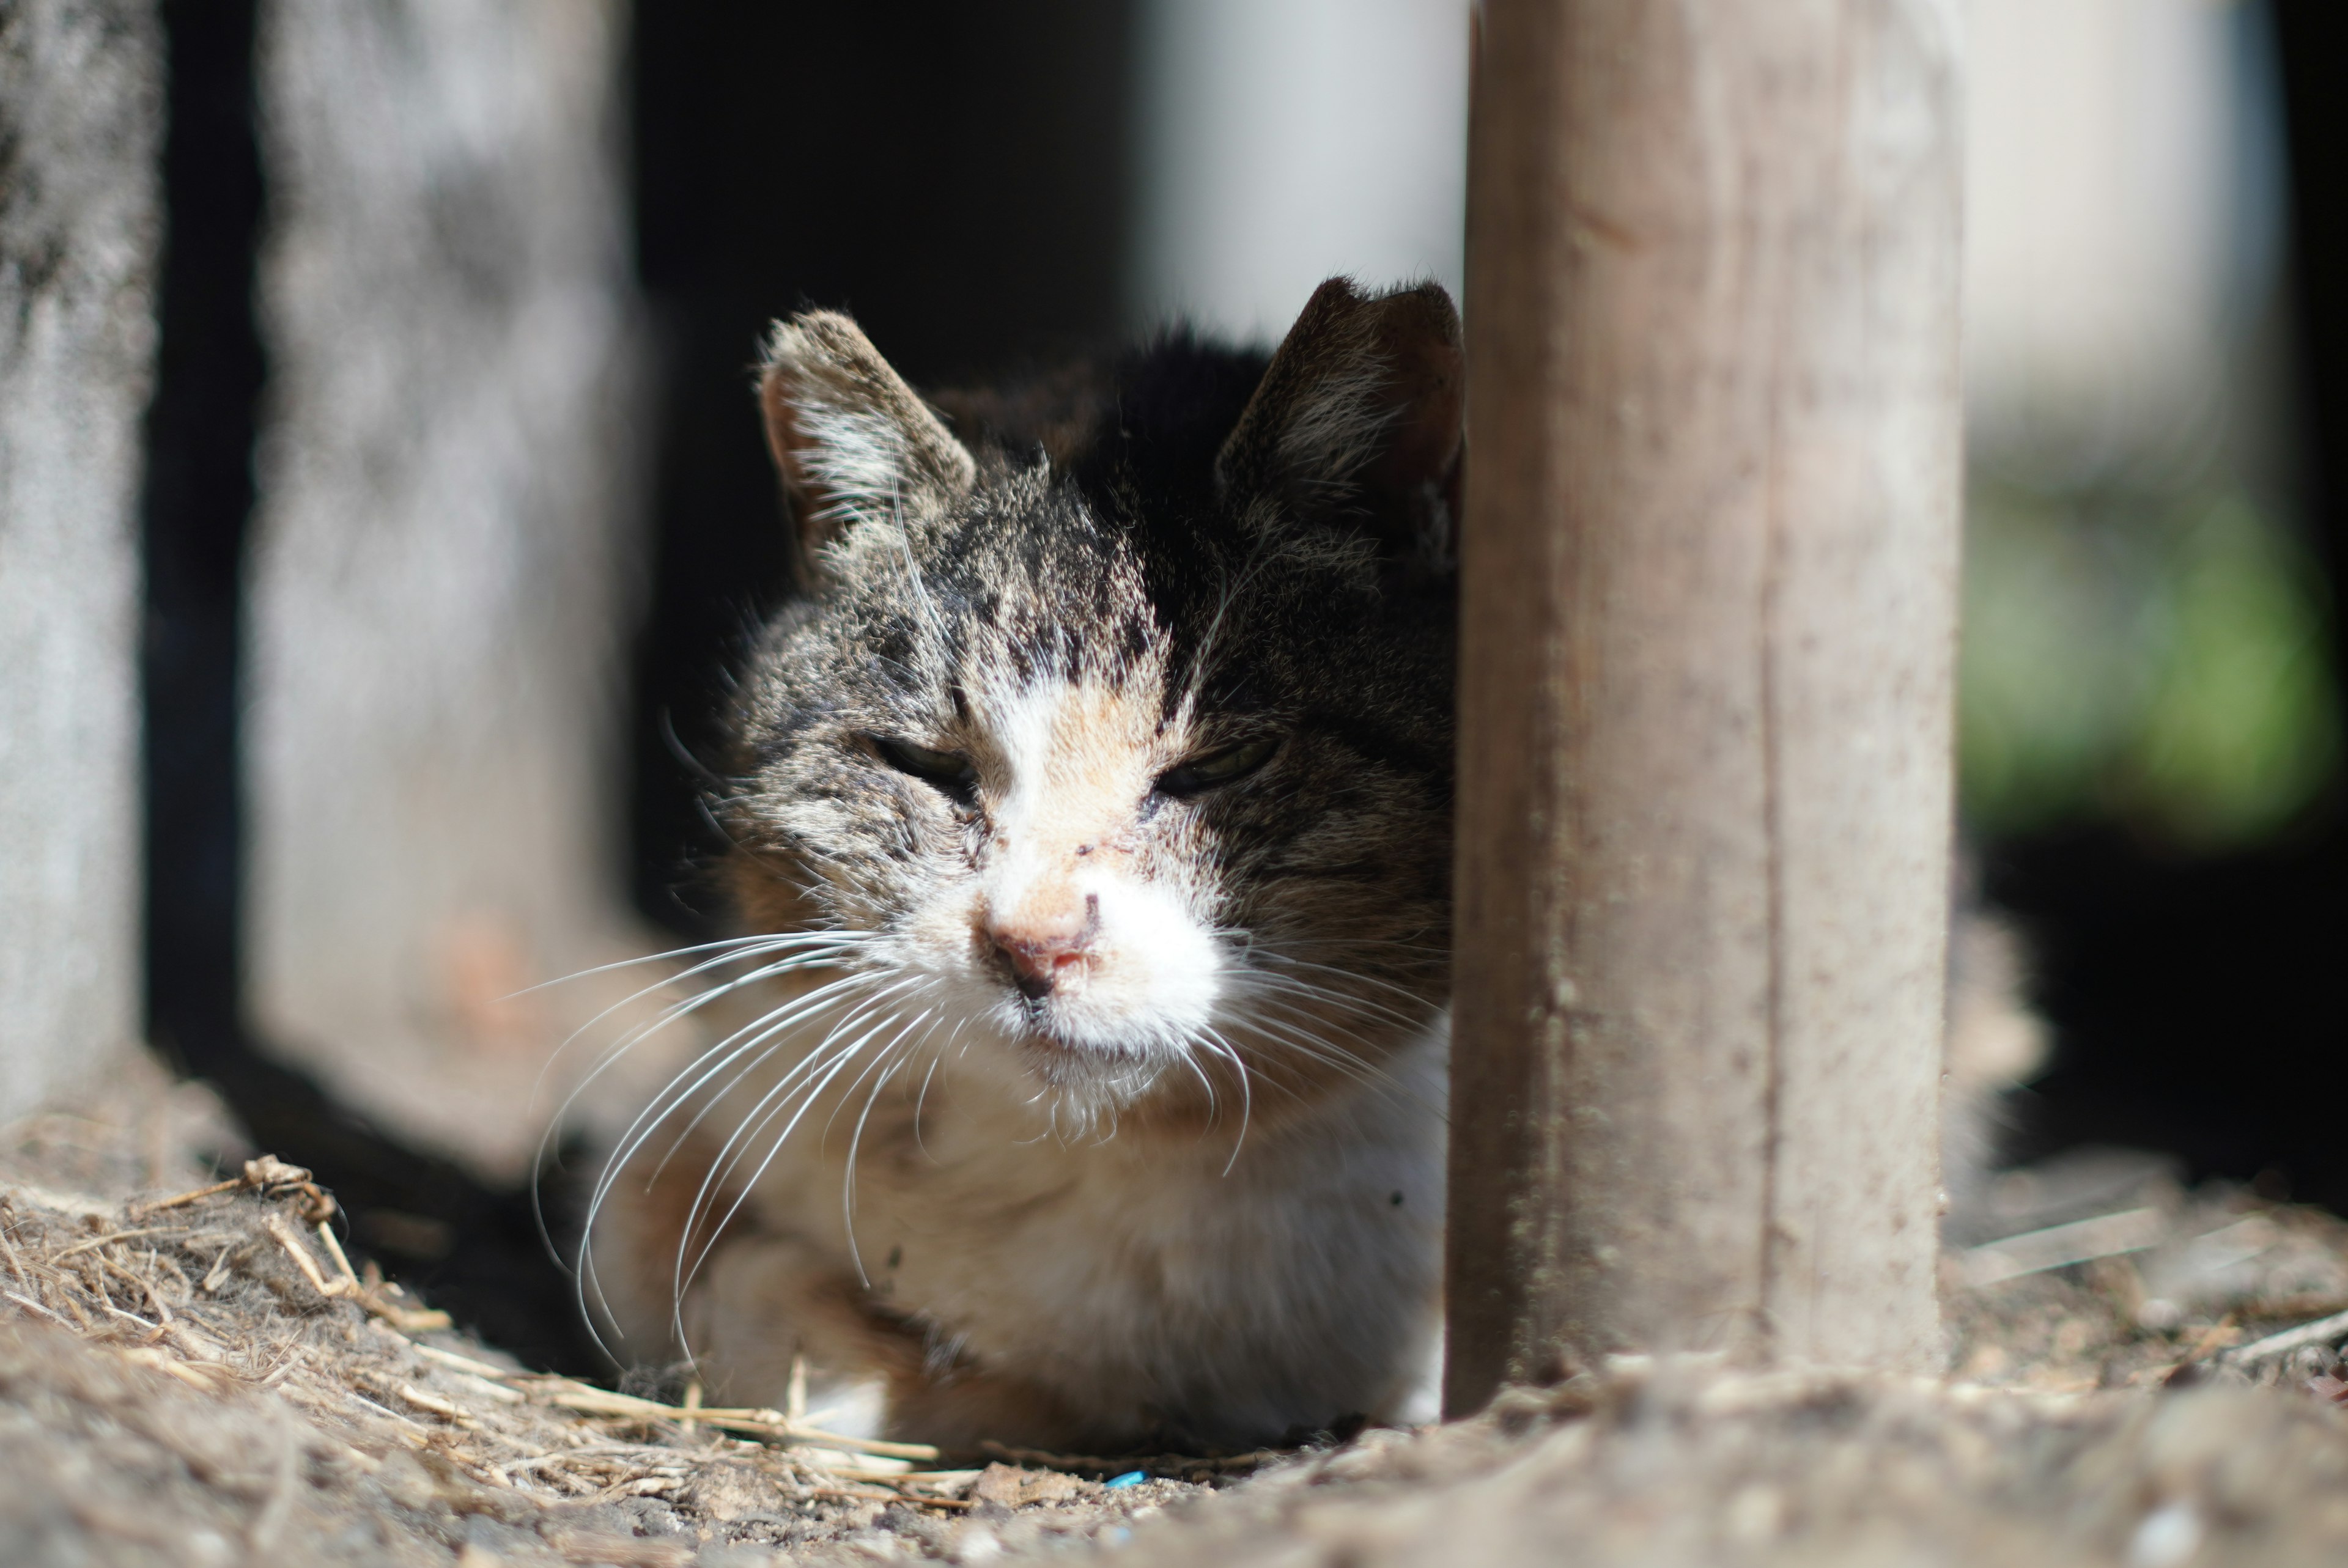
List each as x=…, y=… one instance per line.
x=2141, y=1376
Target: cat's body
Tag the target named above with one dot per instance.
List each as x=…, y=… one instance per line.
x=1088, y=1294
x=1104, y=767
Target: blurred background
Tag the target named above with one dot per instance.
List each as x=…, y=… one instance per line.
x=456, y=511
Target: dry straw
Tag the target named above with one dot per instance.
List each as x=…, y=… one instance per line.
x=232, y=1310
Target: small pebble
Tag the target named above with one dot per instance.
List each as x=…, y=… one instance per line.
x=1130, y=1477
x=2167, y=1536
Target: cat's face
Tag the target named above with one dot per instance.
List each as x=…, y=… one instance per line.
x=1126, y=767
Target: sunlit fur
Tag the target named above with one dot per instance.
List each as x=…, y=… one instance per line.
x=1192, y=1194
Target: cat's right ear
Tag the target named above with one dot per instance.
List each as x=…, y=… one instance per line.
x=853, y=442
x=1358, y=422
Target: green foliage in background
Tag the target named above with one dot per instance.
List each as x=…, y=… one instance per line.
x=2154, y=658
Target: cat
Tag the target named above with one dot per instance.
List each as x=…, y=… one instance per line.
x=1090, y=816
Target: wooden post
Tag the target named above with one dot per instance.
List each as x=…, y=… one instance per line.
x=80, y=124
x=1709, y=558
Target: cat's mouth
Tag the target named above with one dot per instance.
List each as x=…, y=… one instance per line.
x=1067, y=1037
x=1060, y=1024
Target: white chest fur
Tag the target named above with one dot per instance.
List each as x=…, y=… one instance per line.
x=1223, y=1286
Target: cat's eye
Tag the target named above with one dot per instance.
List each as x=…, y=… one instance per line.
x=1212, y=768
x=948, y=771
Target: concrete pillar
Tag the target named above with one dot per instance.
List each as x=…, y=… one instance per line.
x=81, y=121
x=448, y=500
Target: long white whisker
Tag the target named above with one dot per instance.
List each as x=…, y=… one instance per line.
x=1293, y=961
x=1314, y=1046
x=712, y=1062
x=673, y=1014
x=1214, y=1110
x=740, y=947
x=914, y=570
x=780, y=1095
x=766, y=1042
x=629, y=1039
x=677, y=1092
x=664, y=1101
x=1247, y=1094
x=808, y=1099
x=1259, y=980
x=856, y=1140
x=923, y=1098
x=688, y=1262
x=771, y=940
x=821, y=946
x=918, y=1020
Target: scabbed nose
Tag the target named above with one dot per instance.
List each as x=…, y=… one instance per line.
x=1046, y=944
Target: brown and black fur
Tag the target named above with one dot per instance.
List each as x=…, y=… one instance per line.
x=1192, y=553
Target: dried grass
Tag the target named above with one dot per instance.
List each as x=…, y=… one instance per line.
x=202, y=1378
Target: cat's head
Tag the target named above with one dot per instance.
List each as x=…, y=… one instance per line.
x=1110, y=737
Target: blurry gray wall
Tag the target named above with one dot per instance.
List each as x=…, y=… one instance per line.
x=448, y=480
x=2114, y=216
x=2123, y=219
x=1285, y=140
x=80, y=115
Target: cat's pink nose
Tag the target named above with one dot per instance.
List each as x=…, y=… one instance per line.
x=1046, y=943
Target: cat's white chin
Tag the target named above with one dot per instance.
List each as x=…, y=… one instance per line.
x=1075, y=1051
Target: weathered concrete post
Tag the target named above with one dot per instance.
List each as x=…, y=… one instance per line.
x=440, y=557
x=1709, y=558
x=80, y=126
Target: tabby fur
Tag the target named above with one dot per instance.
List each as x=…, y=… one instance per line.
x=1092, y=1095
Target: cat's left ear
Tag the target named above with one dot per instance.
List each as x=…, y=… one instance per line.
x=1358, y=421
x=853, y=442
